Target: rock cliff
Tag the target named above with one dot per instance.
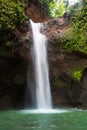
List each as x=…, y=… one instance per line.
x=17, y=72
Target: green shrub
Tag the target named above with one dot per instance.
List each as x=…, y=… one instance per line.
x=56, y=9
x=53, y=8
x=11, y=13
x=77, y=74
x=75, y=38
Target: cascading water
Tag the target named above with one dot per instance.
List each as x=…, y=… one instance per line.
x=39, y=54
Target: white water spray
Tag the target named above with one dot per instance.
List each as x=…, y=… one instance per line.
x=43, y=95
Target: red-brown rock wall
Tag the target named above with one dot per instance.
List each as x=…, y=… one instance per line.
x=13, y=72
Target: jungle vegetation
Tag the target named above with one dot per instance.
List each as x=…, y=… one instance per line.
x=75, y=38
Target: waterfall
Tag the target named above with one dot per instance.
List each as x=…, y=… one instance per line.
x=39, y=55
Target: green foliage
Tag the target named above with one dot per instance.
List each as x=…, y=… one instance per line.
x=79, y=19
x=77, y=74
x=56, y=9
x=45, y=6
x=53, y=8
x=11, y=13
x=75, y=38
x=7, y=43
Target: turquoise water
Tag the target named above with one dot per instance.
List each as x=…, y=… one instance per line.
x=17, y=120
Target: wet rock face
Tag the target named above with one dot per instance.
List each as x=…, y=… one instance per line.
x=13, y=71
x=75, y=61
x=53, y=28
x=12, y=83
x=83, y=95
x=35, y=12
x=84, y=79
x=65, y=91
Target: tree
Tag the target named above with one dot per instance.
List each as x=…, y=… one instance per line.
x=11, y=15
x=75, y=38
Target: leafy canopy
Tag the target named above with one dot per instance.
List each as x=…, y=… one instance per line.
x=75, y=38
x=54, y=8
x=11, y=13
